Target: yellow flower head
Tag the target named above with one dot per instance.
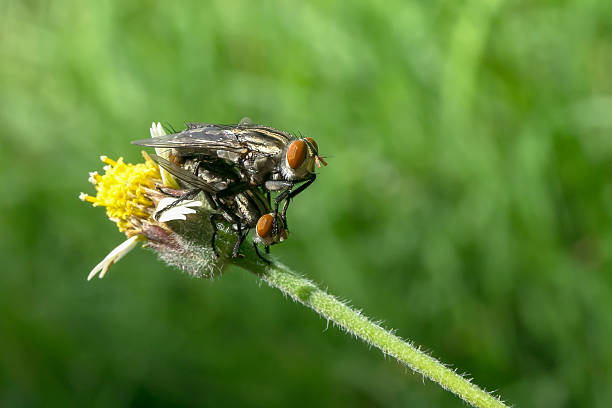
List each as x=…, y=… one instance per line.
x=127, y=191
x=179, y=233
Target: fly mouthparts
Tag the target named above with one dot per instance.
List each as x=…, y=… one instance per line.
x=319, y=160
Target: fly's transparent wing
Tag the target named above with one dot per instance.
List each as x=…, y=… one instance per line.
x=199, y=139
x=232, y=143
x=182, y=174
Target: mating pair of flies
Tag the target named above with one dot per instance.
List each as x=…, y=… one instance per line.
x=237, y=167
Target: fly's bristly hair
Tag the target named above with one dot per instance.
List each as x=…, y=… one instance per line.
x=169, y=128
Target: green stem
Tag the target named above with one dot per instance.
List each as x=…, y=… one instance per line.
x=306, y=292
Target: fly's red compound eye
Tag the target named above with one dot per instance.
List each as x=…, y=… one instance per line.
x=296, y=154
x=264, y=225
x=318, y=159
x=313, y=143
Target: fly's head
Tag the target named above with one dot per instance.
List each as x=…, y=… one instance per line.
x=301, y=156
x=264, y=230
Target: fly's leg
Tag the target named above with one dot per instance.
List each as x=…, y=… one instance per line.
x=292, y=194
x=277, y=185
x=233, y=190
x=241, y=237
x=284, y=213
x=282, y=196
x=259, y=255
x=170, y=191
x=235, y=220
x=179, y=194
x=304, y=186
x=214, y=218
x=269, y=198
x=210, y=200
x=235, y=252
x=188, y=195
x=287, y=195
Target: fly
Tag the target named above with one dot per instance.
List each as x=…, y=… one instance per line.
x=244, y=208
x=265, y=157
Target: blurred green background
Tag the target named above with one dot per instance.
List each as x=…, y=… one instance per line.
x=466, y=202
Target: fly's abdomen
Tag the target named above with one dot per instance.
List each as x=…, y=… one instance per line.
x=247, y=210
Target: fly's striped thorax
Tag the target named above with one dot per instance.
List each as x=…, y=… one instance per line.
x=265, y=140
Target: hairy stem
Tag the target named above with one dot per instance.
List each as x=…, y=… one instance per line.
x=306, y=292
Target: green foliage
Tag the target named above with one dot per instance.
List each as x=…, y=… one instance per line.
x=466, y=201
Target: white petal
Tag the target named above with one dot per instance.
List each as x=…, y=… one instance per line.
x=164, y=202
x=157, y=130
x=160, y=129
x=178, y=212
x=114, y=256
